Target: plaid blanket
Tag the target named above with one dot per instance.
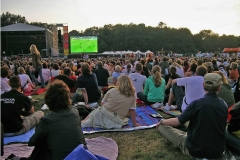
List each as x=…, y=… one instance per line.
x=142, y=117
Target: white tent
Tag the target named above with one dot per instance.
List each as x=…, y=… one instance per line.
x=105, y=52
x=128, y=52
x=124, y=52
x=137, y=52
x=148, y=52
x=111, y=52
x=118, y=52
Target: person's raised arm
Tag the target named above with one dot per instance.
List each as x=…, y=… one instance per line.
x=169, y=83
x=85, y=96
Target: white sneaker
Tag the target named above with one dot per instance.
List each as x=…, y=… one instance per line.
x=173, y=107
x=157, y=105
x=167, y=107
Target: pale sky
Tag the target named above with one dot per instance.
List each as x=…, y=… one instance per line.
x=220, y=16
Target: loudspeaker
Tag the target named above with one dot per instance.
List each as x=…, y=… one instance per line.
x=59, y=36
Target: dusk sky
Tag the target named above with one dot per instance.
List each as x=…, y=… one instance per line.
x=220, y=16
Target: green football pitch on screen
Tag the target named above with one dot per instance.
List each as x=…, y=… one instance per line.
x=83, y=44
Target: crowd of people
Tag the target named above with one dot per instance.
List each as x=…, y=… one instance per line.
x=204, y=89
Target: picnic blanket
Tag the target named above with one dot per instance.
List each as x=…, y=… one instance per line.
x=23, y=138
x=37, y=92
x=174, y=113
x=142, y=117
x=100, y=146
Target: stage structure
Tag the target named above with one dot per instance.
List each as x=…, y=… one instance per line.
x=17, y=38
x=57, y=48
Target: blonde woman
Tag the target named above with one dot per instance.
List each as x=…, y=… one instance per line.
x=179, y=69
x=115, y=106
x=37, y=64
x=226, y=91
x=26, y=83
x=154, y=89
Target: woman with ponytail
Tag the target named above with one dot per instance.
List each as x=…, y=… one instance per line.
x=154, y=89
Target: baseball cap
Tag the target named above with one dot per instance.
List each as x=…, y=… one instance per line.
x=212, y=80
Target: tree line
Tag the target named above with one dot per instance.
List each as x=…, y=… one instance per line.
x=134, y=37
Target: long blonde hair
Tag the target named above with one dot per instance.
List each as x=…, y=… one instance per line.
x=175, y=64
x=224, y=78
x=125, y=86
x=33, y=49
x=157, y=79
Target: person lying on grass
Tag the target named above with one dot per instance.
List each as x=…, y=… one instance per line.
x=115, y=106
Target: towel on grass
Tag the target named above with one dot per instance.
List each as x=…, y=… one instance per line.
x=23, y=138
x=174, y=113
x=102, y=147
x=142, y=117
x=37, y=92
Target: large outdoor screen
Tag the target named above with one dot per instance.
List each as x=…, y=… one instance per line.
x=83, y=44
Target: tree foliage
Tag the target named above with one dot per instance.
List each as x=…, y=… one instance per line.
x=8, y=19
x=141, y=37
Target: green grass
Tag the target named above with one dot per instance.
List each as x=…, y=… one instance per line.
x=145, y=144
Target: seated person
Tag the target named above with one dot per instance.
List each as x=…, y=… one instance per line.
x=137, y=79
x=65, y=77
x=4, y=80
x=205, y=137
x=193, y=89
x=26, y=83
x=173, y=75
x=55, y=70
x=117, y=103
x=128, y=70
x=102, y=75
x=233, y=74
x=116, y=73
x=233, y=130
x=15, y=105
x=154, y=89
x=88, y=85
x=226, y=91
x=46, y=73
x=59, y=132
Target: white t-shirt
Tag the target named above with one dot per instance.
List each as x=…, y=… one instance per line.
x=55, y=72
x=180, y=71
x=138, y=81
x=46, y=75
x=193, y=89
x=4, y=85
x=24, y=79
x=125, y=71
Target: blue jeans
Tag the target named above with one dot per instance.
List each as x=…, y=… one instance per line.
x=178, y=94
x=77, y=97
x=39, y=71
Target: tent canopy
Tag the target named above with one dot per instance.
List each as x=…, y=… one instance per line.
x=231, y=50
x=21, y=27
x=148, y=51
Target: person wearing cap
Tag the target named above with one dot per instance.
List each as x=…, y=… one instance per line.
x=207, y=116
